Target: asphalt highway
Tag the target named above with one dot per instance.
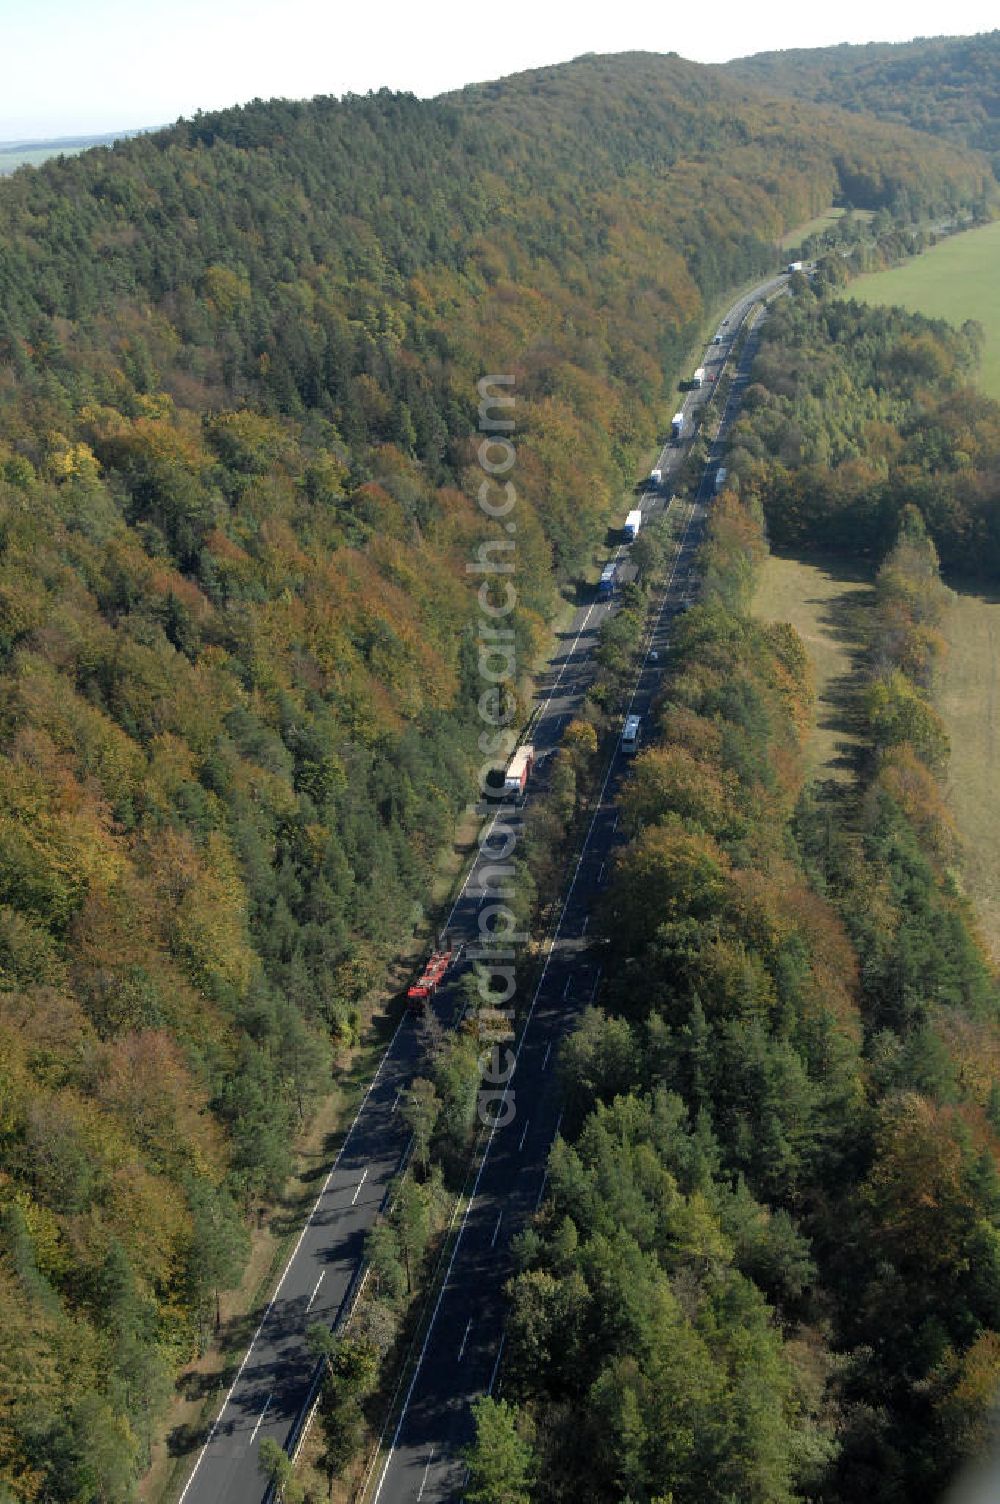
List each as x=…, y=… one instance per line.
x=462, y=1350
x=270, y=1394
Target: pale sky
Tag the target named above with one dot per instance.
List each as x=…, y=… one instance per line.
x=85, y=66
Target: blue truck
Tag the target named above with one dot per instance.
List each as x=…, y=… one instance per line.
x=609, y=577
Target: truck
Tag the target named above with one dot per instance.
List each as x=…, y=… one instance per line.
x=698, y=379
x=677, y=427
x=720, y=479
x=515, y=780
x=630, y=734
x=795, y=266
x=633, y=522
x=656, y=478
x=609, y=578
x=436, y=967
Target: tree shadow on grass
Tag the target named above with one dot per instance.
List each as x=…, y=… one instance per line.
x=968, y=585
x=839, y=708
x=185, y=1439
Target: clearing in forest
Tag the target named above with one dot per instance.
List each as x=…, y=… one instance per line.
x=967, y=696
x=820, y=597
x=816, y=226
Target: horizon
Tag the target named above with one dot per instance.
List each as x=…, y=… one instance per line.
x=233, y=51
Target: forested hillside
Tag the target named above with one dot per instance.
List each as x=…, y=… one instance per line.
x=238, y=366
x=948, y=86
x=766, y=1267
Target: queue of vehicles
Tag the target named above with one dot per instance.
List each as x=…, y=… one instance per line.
x=518, y=771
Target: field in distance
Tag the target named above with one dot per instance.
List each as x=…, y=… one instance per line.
x=819, y=598
x=13, y=157
x=955, y=280
x=15, y=154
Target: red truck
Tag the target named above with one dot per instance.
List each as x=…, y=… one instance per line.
x=436, y=967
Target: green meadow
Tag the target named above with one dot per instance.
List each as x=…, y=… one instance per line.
x=956, y=280
x=816, y=226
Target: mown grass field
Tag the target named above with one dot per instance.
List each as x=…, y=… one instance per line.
x=816, y=226
x=819, y=598
x=968, y=697
x=955, y=280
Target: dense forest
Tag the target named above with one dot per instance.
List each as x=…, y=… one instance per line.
x=853, y=414
x=947, y=86
x=238, y=366
x=766, y=1267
